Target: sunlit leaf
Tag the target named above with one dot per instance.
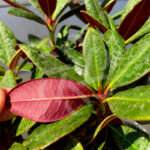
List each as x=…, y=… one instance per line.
x=132, y=104
x=117, y=48
x=17, y=146
x=7, y=44
x=134, y=64
x=95, y=57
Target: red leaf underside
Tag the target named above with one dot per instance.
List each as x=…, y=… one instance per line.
x=93, y=21
x=109, y=7
x=47, y=99
x=48, y=6
x=16, y=5
x=135, y=19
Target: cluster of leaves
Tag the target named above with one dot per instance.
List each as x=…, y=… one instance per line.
x=91, y=88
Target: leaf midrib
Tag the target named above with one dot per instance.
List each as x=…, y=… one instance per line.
x=55, y=98
x=96, y=67
x=128, y=99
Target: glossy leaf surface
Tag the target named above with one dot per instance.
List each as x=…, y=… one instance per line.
x=7, y=44
x=93, y=21
x=134, y=64
x=49, y=65
x=95, y=57
x=117, y=48
x=94, y=9
x=135, y=19
x=54, y=98
x=132, y=104
x=128, y=139
x=141, y=32
x=28, y=15
x=8, y=80
x=17, y=146
x=57, y=130
x=48, y=6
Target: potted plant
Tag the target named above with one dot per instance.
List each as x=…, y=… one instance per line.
x=87, y=93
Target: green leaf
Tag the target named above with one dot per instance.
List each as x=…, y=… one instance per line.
x=25, y=14
x=40, y=44
x=15, y=4
x=132, y=104
x=128, y=139
x=8, y=80
x=117, y=15
x=130, y=5
x=26, y=67
x=106, y=2
x=78, y=70
x=134, y=64
x=57, y=130
x=7, y=44
x=70, y=13
x=143, y=30
x=17, y=146
x=111, y=22
x=108, y=5
x=95, y=56
x=117, y=48
x=79, y=34
x=36, y=5
x=76, y=57
x=2, y=70
x=103, y=124
x=61, y=5
x=73, y=144
x=94, y=9
x=49, y=65
x=62, y=35
x=36, y=74
x=24, y=125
